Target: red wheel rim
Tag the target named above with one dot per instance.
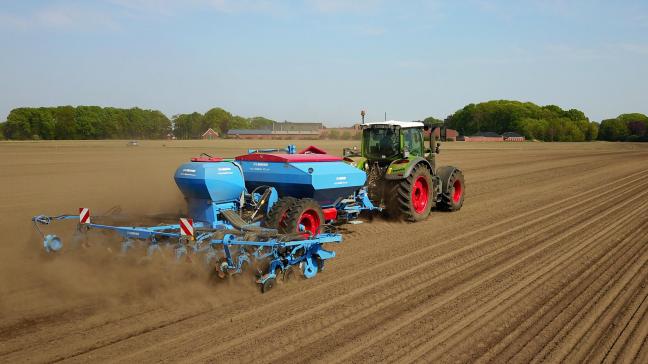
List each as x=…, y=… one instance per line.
x=458, y=191
x=310, y=220
x=420, y=194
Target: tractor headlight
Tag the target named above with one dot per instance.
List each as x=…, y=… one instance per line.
x=366, y=166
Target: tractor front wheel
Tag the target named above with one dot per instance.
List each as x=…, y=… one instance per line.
x=452, y=191
x=413, y=197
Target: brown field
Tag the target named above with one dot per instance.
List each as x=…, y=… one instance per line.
x=547, y=261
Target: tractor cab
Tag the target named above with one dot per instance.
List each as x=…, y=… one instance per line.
x=392, y=140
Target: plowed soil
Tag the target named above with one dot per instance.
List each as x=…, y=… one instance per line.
x=546, y=262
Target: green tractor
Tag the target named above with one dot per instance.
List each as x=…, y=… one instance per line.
x=401, y=172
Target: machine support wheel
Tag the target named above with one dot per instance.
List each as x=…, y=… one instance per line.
x=267, y=285
x=286, y=275
x=278, y=213
x=413, y=197
x=305, y=216
x=452, y=191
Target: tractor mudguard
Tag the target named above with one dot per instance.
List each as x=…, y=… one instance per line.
x=402, y=168
x=360, y=163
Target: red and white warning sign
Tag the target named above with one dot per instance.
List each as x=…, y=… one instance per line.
x=84, y=215
x=186, y=227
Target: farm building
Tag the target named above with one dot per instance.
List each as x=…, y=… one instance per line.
x=210, y=134
x=484, y=136
x=271, y=134
x=280, y=130
x=512, y=137
x=349, y=132
x=489, y=136
x=450, y=134
x=301, y=127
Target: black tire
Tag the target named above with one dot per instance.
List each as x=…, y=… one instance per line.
x=298, y=212
x=412, y=198
x=453, y=189
x=267, y=285
x=279, y=212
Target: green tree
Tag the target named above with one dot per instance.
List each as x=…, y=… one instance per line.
x=549, y=123
x=637, y=123
x=592, y=131
x=86, y=120
x=613, y=130
x=432, y=121
x=259, y=122
x=629, y=127
x=185, y=125
x=238, y=122
x=18, y=125
x=64, y=122
x=42, y=123
x=217, y=119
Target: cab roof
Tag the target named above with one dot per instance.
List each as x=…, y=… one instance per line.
x=402, y=124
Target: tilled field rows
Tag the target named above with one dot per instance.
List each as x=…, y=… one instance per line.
x=456, y=293
x=432, y=288
x=553, y=268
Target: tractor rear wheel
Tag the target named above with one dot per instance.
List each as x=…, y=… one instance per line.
x=413, y=197
x=452, y=191
x=306, y=217
x=278, y=213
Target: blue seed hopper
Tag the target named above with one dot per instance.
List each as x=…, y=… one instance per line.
x=322, y=177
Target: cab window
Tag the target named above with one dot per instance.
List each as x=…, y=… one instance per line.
x=381, y=142
x=412, y=141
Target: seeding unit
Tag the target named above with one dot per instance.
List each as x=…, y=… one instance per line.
x=270, y=210
x=230, y=225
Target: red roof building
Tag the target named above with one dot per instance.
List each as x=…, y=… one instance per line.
x=210, y=134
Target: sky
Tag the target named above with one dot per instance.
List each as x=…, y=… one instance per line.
x=324, y=60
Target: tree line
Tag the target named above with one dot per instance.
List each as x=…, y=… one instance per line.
x=94, y=122
x=547, y=123
x=85, y=122
x=625, y=127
